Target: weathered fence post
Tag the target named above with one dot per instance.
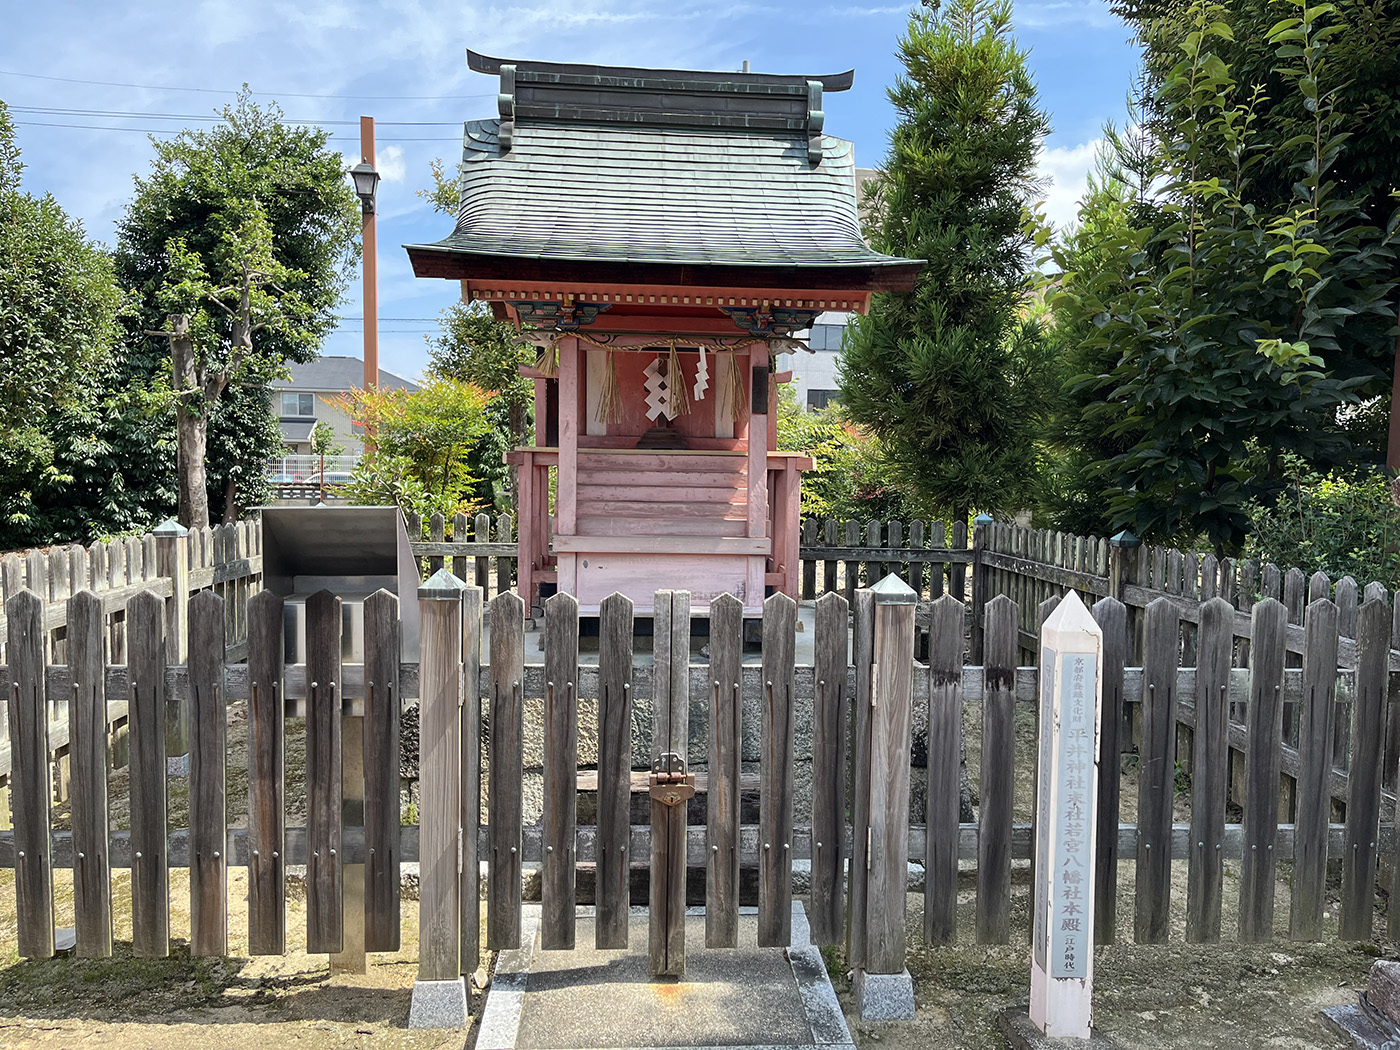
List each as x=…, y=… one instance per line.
x=172, y=561
x=722, y=798
x=1062, y=957
x=439, y=993
x=1156, y=774
x=150, y=881
x=470, y=892
x=267, y=820
x=981, y=533
x=1209, y=770
x=998, y=774
x=615, y=622
x=945, y=723
x=1362, y=846
x=29, y=743
x=830, y=722
x=504, y=919
x=380, y=754
x=1112, y=617
x=1122, y=562
x=557, y=893
x=776, y=774
x=87, y=720
x=882, y=982
x=208, y=806
x=325, y=917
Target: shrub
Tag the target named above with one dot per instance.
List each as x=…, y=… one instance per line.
x=1332, y=524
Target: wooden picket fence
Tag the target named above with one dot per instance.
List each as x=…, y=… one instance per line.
x=729, y=698
x=169, y=562
x=479, y=550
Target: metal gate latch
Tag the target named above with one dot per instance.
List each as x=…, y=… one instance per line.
x=670, y=784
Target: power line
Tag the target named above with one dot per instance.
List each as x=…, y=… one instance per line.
x=168, y=131
x=214, y=118
x=227, y=91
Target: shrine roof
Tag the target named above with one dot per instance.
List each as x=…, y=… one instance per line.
x=692, y=196
x=673, y=176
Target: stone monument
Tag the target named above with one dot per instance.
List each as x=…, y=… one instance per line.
x=1062, y=943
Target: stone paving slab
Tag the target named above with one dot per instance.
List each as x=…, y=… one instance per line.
x=586, y=999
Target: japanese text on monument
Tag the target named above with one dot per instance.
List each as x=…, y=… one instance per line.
x=1070, y=920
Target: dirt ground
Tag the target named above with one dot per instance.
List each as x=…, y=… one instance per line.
x=268, y=1002
x=1147, y=997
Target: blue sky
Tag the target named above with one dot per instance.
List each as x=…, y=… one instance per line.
x=332, y=60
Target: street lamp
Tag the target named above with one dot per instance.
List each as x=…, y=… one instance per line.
x=366, y=181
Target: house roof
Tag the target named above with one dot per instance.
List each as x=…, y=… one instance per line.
x=337, y=373
x=296, y=431
x=615, y=166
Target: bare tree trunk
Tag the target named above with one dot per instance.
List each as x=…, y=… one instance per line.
x=515, y=416
x=191, y=426
x=230, y=501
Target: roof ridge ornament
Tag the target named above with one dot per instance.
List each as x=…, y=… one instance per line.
x=505, y=103
x=816, y=119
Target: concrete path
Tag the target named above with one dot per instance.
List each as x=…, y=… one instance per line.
x=588, y=999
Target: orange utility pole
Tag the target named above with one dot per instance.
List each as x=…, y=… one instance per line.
x=371, y=311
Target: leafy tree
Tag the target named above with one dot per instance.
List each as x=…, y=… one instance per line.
x=1363, y=43
x=323, y=442
x=949, y=377
x=444, y=194
x=1085, y=428
x=247, y=231
x=217, y=306
x=58, y=307
x=477, y=348
x=423, y=441
x=850, y=478
x=1219, y=329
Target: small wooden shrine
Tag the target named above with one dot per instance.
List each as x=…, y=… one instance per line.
x=661, y=234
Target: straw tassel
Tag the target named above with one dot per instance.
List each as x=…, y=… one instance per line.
x=610, y=398
x=736, y=387
x=680, y=404
x=548, y=363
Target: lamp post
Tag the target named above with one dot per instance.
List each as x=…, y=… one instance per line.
x=366, y=182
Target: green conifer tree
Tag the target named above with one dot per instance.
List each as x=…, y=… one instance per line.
x=950, y=375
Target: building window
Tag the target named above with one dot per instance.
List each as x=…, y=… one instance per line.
x=826, y=337
x=821, y=398
x=298, y=404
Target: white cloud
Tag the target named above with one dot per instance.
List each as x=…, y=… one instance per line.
x=390, y=163
x=1058, y=13
x=1064, y=174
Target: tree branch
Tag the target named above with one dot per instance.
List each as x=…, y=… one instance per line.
x=213, y=297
